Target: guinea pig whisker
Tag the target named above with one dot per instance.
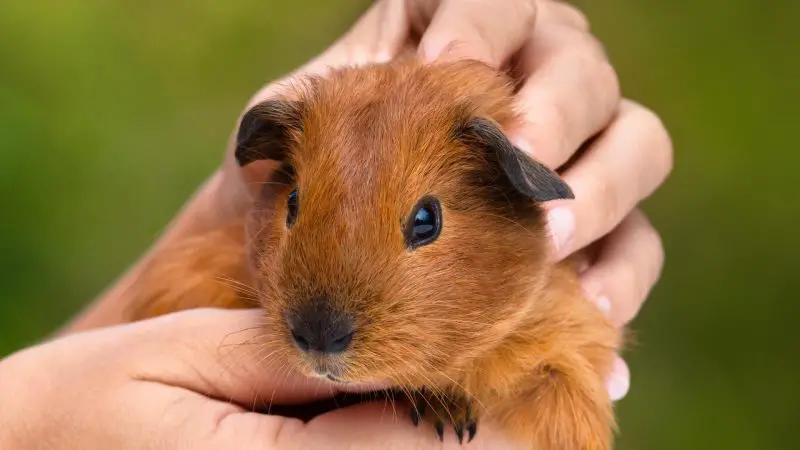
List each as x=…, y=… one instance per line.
x=460, y=386
x=434, y=390
x=459, y=321
x=251, y=238
x=246, y=292
x=274, y=389
x=286, y=371
x=260, y=346
x=393, y=400
x=243, y=330
x=387, y=401
x=389, y=398
x=267, y=357
x=227, y=368
x=438, y=393
x=227, y=350
x=236, y=283
x=265, y=183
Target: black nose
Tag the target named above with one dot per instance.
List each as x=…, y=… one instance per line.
x=322, y=329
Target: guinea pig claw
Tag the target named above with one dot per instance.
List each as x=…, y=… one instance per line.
x=457, y=407
x=440, y=430
x=472, y=428
x=417, y=410
x=460, y=431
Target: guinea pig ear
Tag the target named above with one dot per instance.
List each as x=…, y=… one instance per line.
x=264, y=131
x=528, y=176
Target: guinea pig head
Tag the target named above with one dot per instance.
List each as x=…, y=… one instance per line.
x=402, y=233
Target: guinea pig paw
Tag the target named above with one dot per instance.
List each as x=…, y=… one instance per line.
x=453, y=408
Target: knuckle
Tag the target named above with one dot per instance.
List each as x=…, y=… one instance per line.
x=527, y=10
x=648, y=123
x=607, y=196
x=608, y=76
x=664, y=150
x=559, y=118
x=604, y=72
x=547, y=121
x=654, y=245
x=637, y=276
x=645, y=118
x=591, y=47
x=631, y=292
x=589, y=53
x=570, y=15
x=659, y=255
x=579, y=18
x=585, y=56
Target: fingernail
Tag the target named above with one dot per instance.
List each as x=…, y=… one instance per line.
x=619, y=382
x=582, y=265
x=522, y=144
x=429, y=52
x=359, y=56
x=383, y=56
x=604, y=303
x=438, y=50
x=561, y=222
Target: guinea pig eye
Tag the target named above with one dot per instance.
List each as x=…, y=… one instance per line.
x=424, y=224
x=291, y=208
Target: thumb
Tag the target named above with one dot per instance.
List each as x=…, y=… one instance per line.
x=223, y=354
x=376, y=37
x=485, y=30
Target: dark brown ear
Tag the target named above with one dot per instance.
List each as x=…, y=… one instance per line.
x=265, y=131
x=528, y=176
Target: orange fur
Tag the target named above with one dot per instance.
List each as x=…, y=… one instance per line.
x=200, y=271
x=478, y=324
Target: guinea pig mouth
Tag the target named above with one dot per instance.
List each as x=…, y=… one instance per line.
x=336, y=372
x=335, y=380
x=328, y=370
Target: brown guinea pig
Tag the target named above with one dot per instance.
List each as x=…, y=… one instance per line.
x=401, y=238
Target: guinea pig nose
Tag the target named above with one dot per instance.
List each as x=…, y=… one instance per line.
x=321, y=330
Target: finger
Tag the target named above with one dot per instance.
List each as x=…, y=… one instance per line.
x=626, y=163
x=557, y=11
x=190, y=420
x=376, y=37
x=223, y=354
x=571, y=94
x=627, y=267
x=365, y=426
x=485, y=30
x=619, y=382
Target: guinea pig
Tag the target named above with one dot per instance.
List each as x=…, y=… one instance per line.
x=401, y=237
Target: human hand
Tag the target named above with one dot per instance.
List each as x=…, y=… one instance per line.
x=570, y=101
x=569, y=94
x=613, y=152
x=182, y=381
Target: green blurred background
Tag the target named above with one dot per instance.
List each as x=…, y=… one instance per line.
x=111, y=113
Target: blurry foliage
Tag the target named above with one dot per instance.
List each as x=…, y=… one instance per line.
x=112, y=113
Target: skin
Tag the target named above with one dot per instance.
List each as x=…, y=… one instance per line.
x=157, y=394
x=570, y=93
